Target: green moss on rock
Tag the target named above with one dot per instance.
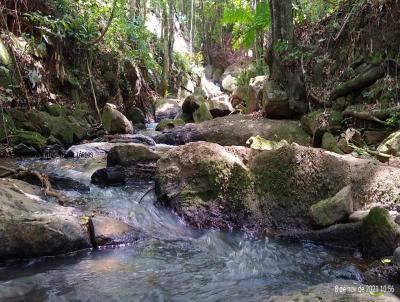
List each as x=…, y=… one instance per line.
x=30, y=138
x=309, y=121
x=380, y=234
x=329, y=143
x=202, y=114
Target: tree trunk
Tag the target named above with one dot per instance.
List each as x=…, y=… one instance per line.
x=165, y=39
x=288, y=79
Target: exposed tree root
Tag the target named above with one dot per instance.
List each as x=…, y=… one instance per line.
x=373, y=115
x=22, y=172
x=361, y=81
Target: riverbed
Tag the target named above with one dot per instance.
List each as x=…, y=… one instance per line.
x=173, y=262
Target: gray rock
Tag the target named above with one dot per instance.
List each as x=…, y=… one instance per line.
x=130, y=154
x=235, y=130
x=332, y=210
x=396, y=256
x=220, y=106
x=380, y=234
x=357, y=216
x=114, y=121
x=136, y=116
x=109, y=231
x=109, y=176
x=346, y=235
x=167, y=109
x=24, y=150
x=32, y=227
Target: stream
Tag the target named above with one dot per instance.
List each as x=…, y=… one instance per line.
x=173, y=263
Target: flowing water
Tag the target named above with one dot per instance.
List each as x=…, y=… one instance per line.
x=174, y=263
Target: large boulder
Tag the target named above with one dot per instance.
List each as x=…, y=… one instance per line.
x=277, y=187
x=333, y=210
x=235, y=130
x=220, y=106
x=202, y=114
x=130, y=154
x=205, y=183
x=293, y=178
x=64, y=128
x=380, y=234
x=32, y=227
x=114, y=121
x=136, y=116
x=391, y=145
x=167, y=109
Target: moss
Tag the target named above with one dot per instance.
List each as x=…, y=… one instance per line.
x=329, y=143
x=309, y=122
x=30, y=138
x=56, y=110
x=274, y=174
x=202, y=114
x=380, y=234
x=239, y=188
x=292, y=134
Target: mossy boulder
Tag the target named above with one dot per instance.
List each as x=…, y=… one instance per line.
x=293, y=178
x=202, y=114
x=30, y=138
x=329, y=143
x=114, y=121
x=207, y=184
x=20, y=119
x=332, y=210
x=309, y=121
x=168, y=124
x=235, y=130
x=39, y=120
x=380, y=234
x=127, y=155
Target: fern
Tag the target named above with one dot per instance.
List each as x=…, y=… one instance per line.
x=246, y=23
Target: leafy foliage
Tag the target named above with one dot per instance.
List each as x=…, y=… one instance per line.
x=247, y=22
